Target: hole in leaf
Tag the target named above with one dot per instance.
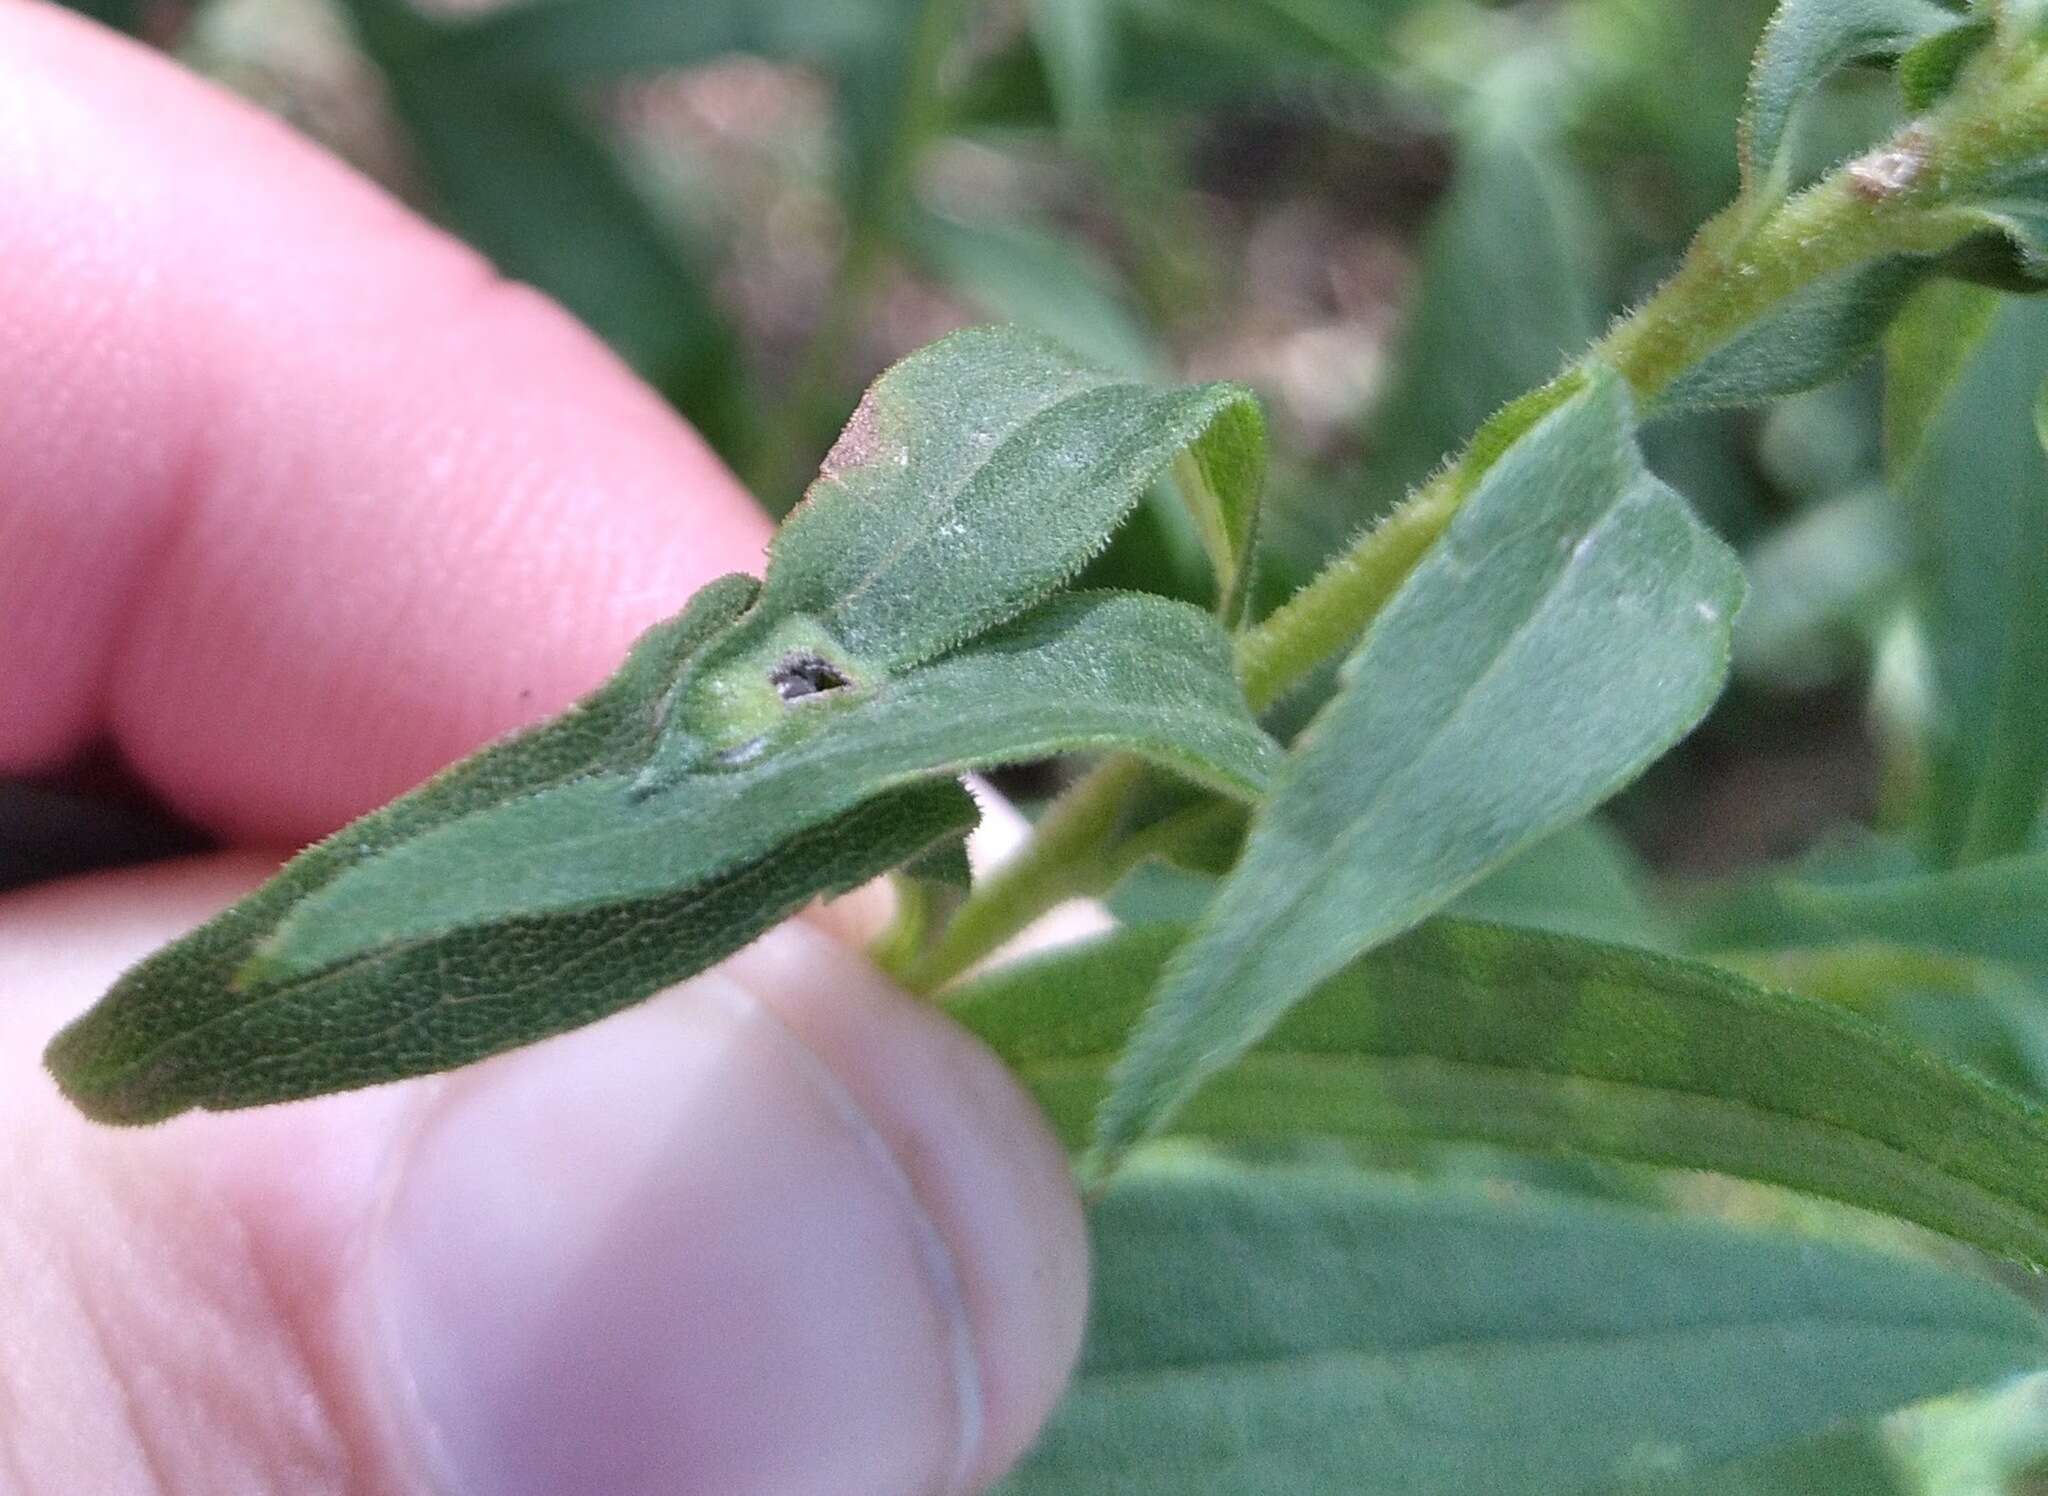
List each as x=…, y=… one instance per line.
x=802, y=675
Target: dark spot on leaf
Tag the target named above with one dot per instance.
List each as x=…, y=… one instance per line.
x=805, y=675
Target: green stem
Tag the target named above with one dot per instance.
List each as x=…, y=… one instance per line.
x=1743, y=263
x=1067, y=857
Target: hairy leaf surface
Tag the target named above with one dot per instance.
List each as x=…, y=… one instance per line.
x=1570, y=625
x=1806, y=42
x=1301, y=1332
x=1089, y=670
x=977, y=475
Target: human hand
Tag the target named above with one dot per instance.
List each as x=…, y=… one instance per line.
x=298, y=503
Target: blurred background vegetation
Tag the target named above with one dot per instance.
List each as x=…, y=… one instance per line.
x=1389, y=217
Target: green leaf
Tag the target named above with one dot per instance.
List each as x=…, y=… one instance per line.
x=1515, y=228
x=1571, y=624
x=1806, y=42
x=1929, y=68
x=1116, y=670
x=1523, y=1039
x=1582, y=881
x=520, y=173
x=977, y=476
x=1820, y=587
x=1992, y=911
x=1813, y=337
x=177, y=1031
x=432, y=1005
x=1056, y=286
x=1078, y=41
x=1049, y=282
x=1969, y=462
x=1323, y=1333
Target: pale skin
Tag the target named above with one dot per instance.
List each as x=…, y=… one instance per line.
x=297, y=503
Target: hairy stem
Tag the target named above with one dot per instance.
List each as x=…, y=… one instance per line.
x=1742, y=264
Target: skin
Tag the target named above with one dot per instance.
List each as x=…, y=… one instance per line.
x=299, y=502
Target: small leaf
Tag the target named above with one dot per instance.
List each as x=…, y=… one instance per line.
x=1293, y=1331
x=1116, y=670
x=1582, y=881
x=187, y=987
x=1806, y=42
x=977, y=476
x=1970, y=465
x=1992, y=911
x=1929, y=68
x=426, y=1006
x=1221, y=478
x=1570, y=625
x=1813, y=337
x=1482, y=1033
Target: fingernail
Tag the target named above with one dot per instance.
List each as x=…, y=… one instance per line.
x=676, y=1252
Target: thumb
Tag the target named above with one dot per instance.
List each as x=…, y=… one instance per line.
x=781, y=1231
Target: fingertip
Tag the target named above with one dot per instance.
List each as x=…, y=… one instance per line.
x=783, y=1231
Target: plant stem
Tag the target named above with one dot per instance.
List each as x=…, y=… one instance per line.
x=1739, y=267
x=1742, y=264
x=1067, y=857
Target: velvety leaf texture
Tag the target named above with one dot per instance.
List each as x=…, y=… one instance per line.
x=1088, y=670
x=1483, y=1033
x=1570, y=625
x=977, y=476
x=1287, y=1332
x=187, y=987
x=1807, y=41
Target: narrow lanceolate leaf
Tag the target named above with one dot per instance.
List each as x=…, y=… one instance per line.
x=1482, y=1033
x=1570, y=625
x=1807, y=41
x=189, y=985
x=1221, y=479
x=1969, y=461
x=1258, y=1333
x=1991, y=911
x=977, y=476
x=1088, y=670
x=425, y=1006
